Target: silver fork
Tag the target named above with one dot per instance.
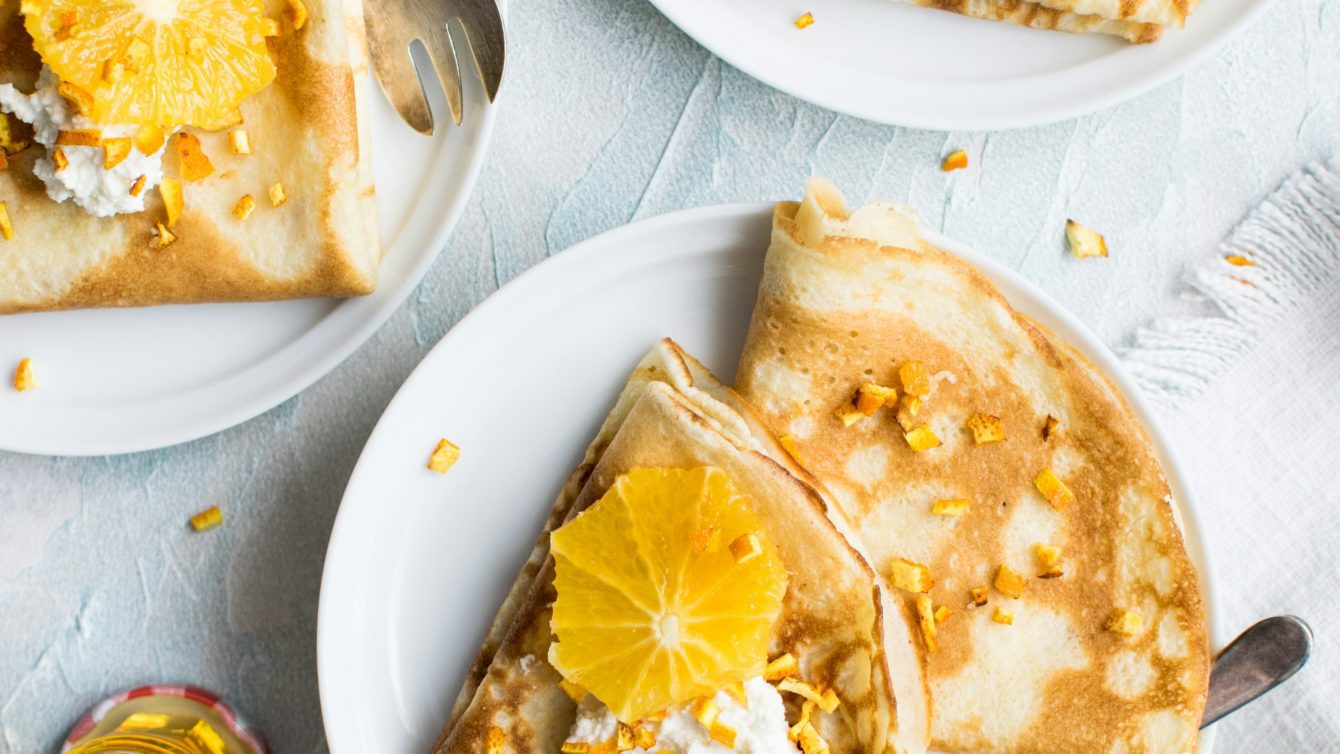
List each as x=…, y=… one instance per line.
x=393, y=25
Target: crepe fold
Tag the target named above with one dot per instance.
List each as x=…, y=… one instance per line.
x=308, y=132
x=835, y=618
x=847, y=298
x=1053, y=15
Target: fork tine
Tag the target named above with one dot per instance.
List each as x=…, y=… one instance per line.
x=395, y=72
x=437, y=41
x=484, y=30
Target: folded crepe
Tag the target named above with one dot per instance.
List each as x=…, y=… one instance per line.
x=835, y=619
x=308, y=131
x=848, y=298
x=1053, y=15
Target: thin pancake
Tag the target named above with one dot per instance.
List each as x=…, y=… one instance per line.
x=308, y=131
x=1036, y=15
x=835, y=618
x=848, y=298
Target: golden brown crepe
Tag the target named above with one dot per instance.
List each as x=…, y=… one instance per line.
x=849, y=297
x=1050, y=15
x=308, y=131
x=835, y=619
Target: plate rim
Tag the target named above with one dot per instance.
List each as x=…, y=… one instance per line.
x=871, y=109
x=582, y=253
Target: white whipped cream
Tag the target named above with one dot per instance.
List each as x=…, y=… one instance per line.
x=760, y=725
x=97, y=190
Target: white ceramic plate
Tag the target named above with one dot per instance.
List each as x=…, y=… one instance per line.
x=119, y=381
x=418, y=562
x=924, y=68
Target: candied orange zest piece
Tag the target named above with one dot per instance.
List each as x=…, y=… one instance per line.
x=195, y=165
x=1010, y=582
x=1124, y=622
x=114, y=151
x=277, y=195
x=956, y=160
x=171, y=191
x=921, y=438
x=6, y=225
x=916, y=381
x=1003, y=616
x=59, y=159
x=244, y=207
x=805, y=20
x=950, y=507
x=23, y=375
x=239, y=141
x=79, y=137
x=137, y=187
x=165, y=237
x=80, y=98
x=980, y=595
x=1084, y=242
x=985, y=429
x=780, y=667
x=926, y=618
x=910, y=576
x=207, y=519
x=746, y=547
x=1053, y=489
x=444, y=456
x=1238, y=260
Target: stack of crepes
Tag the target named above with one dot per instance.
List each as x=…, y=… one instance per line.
x=1140, y=22
x=983, y=554
x=306, y=133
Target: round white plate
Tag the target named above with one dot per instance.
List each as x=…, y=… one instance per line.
x=125, y=380
x=417, y=562
x=925, y=68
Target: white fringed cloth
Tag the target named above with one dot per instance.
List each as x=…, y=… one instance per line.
x=1248, y=383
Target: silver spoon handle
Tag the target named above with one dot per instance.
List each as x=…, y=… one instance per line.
x=1261, y=658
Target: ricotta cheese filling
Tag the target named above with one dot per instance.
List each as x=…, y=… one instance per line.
x=760, y=724
x=84, y=180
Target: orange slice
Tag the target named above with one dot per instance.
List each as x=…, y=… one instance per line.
x=155, y=62
x=644, y=619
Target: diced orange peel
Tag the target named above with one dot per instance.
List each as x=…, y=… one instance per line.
x=297, y=13
x=574, y=691
x=980, y=595
x=942, y=614
x=950, y=506
x=1238, y=260
x=59, y=159
x=575, y=747
x=916, y=381
x=910, y=576
x=810, y=741
x=244, y=207
x=705, y=711
x=1050, y=558
x=1124, y=622
x=722, y=734
x=137, y=187
x=871, y=398
x=79, y=137
x=1084, y=242
x=76, y=96
x=788, y=444
x=848, y=415
x=736, y=691
x=805, y=20
x=23, y=375
x=207, y=519
x=149, y=139
x=114, y=151
x=170, y=190
x=921, y=438
x=643, y=738
x=165, y=237
x=444, y=456
x=1049, y=426
x=1053, y=489
x=706, y=539
x=239, y=141
x=926, y=618
x=780, y=667
x=807, y=709
x=1010, y=582
x=826, y=699
x=6, y=225
x=1003, y=616
x=195, y=165
x=746, y=547
x=495, y=741
x=985, y=429
x=956, y=160
x=277, y=195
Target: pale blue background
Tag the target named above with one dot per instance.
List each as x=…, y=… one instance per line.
x=611, y=114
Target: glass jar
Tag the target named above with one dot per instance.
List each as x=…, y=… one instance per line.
x=163, y=720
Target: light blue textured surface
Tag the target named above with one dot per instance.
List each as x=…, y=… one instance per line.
x=609, y=115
